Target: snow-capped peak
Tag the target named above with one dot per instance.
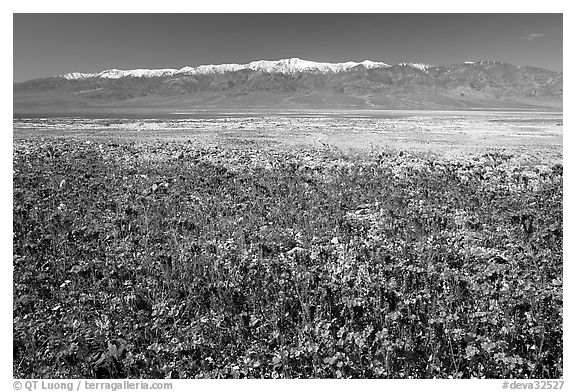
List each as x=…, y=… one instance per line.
x=286, y=66
x=295, y=65
x=369, y=64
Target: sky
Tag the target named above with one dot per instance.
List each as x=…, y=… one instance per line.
x=50, y=44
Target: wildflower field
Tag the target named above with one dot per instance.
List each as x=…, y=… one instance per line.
x=157, y=259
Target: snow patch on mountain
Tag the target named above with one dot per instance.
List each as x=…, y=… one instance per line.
x=137, y=73
x=118, y=73
x=76, y=75
x=419, y=66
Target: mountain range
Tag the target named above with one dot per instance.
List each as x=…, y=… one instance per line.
x=298, y=84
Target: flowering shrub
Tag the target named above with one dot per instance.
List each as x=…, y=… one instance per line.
x=162, y=260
